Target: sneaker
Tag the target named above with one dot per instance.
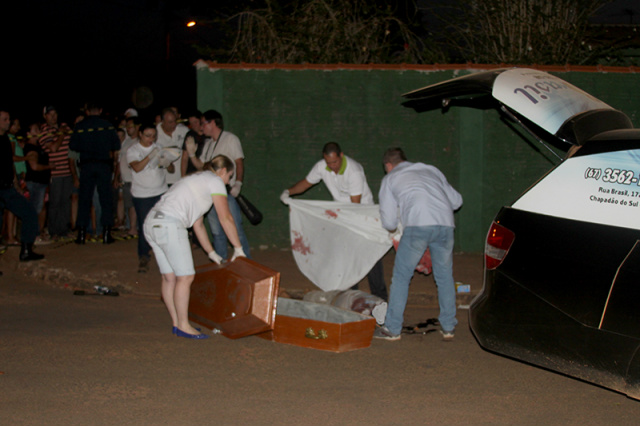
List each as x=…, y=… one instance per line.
x=384, y=333
x=447, y=336
x=62, y=239
x=42, y=241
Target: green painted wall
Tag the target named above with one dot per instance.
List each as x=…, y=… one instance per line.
x=284, y=117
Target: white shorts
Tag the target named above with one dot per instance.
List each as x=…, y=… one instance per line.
x=170, y=243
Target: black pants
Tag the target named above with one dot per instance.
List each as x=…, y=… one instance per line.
x=143, y=206
x=377, y=285
x=11, y=200
x=94, y=175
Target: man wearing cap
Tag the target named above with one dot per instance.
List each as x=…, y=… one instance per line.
x=54, y=140
x=130, y=113
x=124, y=173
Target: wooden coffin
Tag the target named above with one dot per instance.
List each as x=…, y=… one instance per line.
x=240, y=299
x=319, y=326
x=237, y=298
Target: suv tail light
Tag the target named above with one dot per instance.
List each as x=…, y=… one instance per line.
x=499, y=241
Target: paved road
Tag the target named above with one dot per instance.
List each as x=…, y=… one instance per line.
x=95, y=360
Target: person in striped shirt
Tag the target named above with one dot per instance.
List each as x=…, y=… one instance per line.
x=54, y=140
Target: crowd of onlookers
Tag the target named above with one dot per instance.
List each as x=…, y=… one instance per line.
x=48, y=175
x=101, y=176
x=64, y=177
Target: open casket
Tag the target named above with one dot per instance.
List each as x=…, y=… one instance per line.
x=240, y=299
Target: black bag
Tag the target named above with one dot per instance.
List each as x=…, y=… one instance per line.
x=249, y=210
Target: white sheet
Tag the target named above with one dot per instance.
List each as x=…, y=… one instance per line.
x=336, y=244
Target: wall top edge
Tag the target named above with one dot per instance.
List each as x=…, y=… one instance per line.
x=213, y=66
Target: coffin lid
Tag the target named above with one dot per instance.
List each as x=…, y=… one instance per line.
x=237, y=298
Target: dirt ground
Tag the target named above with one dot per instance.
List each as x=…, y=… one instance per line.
x=115, y=266
x=80, y=360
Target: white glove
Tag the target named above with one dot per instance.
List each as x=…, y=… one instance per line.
x=237, y=252
x=191, y=147
x=163, y=161
x=153, y=158
x=284, y=197
x=215, y=257
x=235, y=189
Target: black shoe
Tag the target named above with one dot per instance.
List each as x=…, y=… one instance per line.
x=107, y=238
x=143, y=265
x=27, y=253
x=82, y=236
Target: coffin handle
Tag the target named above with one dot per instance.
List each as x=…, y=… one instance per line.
x=309, y=333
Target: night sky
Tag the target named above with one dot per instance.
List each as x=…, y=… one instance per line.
x=67, y=52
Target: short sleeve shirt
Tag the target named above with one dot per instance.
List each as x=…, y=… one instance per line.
x=125, y=168
x=191, y=197
x=150, y=181
x=228, y=145
x=58, y=160
x=349, y=181
x=175, y=140
x=38, y=176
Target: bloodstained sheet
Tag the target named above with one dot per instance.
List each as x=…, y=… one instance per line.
x=347, y=240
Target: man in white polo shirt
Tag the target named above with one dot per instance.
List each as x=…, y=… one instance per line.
x=347, y=183
x=172, y=134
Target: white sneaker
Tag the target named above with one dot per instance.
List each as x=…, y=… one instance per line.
x=447, y=336
x=384, y=333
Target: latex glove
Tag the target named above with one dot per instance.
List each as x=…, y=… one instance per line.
x=235, y=189
x=284, y=197
x=237, y=252
x=154, y=153
x=163, y=162
x=190, y=146
x=153, y=157
x=215, y=257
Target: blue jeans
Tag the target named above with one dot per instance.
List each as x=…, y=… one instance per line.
x=37, y=191
x=219, y=237
x=15, y=202
x=415, y=240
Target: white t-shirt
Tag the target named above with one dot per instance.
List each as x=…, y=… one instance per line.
x=151, y=180
x=349, y=181
x=228, y=144
x=190, y=198
x=175, y=140
x=125, y=168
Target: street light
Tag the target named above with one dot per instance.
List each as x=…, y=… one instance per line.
x=168, y=41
